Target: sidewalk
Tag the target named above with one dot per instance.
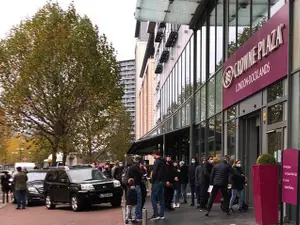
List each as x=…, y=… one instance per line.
x=2, y=205
x=186, y=215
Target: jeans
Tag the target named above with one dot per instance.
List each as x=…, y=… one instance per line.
x=234, y=193
x=214, y=193
x=176, y=196
x=157, y=195
x=193, y=188
x=204, y=195
x=198, y=194
x=130, y=212
x=21, y=198
x=169, y=194
x=138, y=211
x=183, y=191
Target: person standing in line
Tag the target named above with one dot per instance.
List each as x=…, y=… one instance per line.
x=219, y=178
x=198, y=182
x=177, y=189
x=131, y=202
x=192, y=170
x=238, y=181
x=158, y=186
x=6, y=188
x=183, y=180
x=169, y=189
x=204, y=182
x=20, y=184
x=135, y=172
x=116, y=171
x=144, y=183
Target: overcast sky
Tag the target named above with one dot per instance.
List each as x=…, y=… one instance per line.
x=115, y=18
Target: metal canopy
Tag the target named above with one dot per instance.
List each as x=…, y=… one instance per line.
x=169, y=11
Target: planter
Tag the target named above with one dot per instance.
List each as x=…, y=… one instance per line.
x=266, y=193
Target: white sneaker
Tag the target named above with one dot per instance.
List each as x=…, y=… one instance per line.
x=174, y=205
x=178, y=205
x=162, y=218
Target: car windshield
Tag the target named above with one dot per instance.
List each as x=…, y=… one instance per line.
x=86, y=174
x=36, y=176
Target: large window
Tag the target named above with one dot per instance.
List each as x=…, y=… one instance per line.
x=203, y=103
x=197, y=107
x=219, y=91
x=211, y=97
x=231, y=138
x=211, y=136
x=198, y=58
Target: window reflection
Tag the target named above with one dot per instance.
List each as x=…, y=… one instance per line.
x=275, y=113
x=183, y=84
x=183, y=116
x=243, y=14
x=231, y=138
x=203, y=102
x=219, y=37
x=231, y=112
x=192, y=63
x=274, y=142
x=275, y=91
x=198, y=58
x=187, y=71
x=232, y=27
x=218, y=134
x=211, y=97
x=211, y=136
x=202, y=138
x=203, y=55
x=219, y=91
x=179, y=82
x=197, y=108
x=212, y=43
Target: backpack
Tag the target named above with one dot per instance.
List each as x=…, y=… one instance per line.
x=125, y=176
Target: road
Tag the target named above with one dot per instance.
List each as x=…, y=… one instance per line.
x=37, y=215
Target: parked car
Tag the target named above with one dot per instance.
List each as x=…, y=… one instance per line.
x=80, y=186
x=35, y=186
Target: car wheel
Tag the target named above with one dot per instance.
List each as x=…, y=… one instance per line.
x=116, y=203
x=49, y=203
x=76, y=203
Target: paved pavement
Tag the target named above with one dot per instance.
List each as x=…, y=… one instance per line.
x=37, y=215
x=186, y=215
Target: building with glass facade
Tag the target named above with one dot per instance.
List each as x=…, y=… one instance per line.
x=229, y=79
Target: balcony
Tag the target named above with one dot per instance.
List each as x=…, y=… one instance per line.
x=164, y=57
x=172, y=39
x=160, y=32
x=159, y=68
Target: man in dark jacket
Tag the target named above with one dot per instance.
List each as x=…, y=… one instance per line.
x=219, y=178
x=204, y=182
x=192, y=170
x=170, y=182
x=5, y=184
x=158, y=186
x=183, y=179
x=135, y=172
x=197, y=182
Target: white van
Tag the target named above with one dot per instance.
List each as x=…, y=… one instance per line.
x=25, y=165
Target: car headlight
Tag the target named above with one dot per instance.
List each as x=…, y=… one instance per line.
x=32, y=190
x=117, y=183
x=87, y=187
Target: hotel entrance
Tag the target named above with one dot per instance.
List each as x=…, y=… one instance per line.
x=250, y=147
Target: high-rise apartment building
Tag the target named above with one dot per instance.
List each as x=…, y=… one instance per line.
x=127, y=72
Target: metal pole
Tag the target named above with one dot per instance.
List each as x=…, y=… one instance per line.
x=298, y=192
x=144, y=222
x=280, y=190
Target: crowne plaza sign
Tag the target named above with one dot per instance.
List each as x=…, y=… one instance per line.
x=259, y=62
x=265, y=47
